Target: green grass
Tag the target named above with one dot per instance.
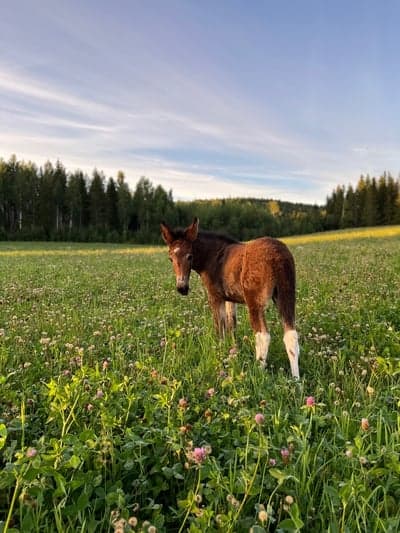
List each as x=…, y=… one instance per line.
x=110, y=380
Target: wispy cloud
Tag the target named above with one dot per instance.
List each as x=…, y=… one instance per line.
x=30, y=88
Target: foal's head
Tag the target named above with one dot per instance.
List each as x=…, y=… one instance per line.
x=180, y=243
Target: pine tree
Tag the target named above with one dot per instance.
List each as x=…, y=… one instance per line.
x=97, y=204
x=370, y=210
x=46, y=204
x=78, y=205
x=391, y=195
x=360, y=194
x=112, y=219
x=349, y=209
x=59, y=192
x=124, y=204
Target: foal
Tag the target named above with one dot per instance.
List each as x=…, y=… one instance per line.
x=234, y=272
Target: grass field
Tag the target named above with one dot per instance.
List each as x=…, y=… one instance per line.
x=121, y=411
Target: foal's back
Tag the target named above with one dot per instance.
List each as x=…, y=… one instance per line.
x=266, y=259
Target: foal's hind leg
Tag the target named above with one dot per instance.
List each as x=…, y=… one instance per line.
x=259, y=325
x=291, y=340
x=286, y=308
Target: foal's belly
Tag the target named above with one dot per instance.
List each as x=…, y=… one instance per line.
x=233, y=292
x=234, y=298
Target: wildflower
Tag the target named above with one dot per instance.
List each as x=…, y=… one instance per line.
x=259, y=418
x=119, y=525
x=310, y=401
x=89, y=407
x=106, y=364
x=199, y=455
x=31, y=452
x=99, y=394
x=208, y=414
x=183, y=403
x=348, y=454
x=152, y=529
x=132, y=521
x=289, y=499
x=370, y=390
x=232, y=500
x=285, y=454
x=272, y=462
x=262, y=514
x=210, y=392
x=364, y=424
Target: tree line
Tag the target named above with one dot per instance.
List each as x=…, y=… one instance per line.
x=49, y=203
x=372, y=202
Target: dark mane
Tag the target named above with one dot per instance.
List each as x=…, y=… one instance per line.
x=219, y=236
x=179, y=233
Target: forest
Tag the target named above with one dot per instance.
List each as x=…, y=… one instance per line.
x=50, y=203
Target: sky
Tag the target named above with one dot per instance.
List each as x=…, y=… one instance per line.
x=209, y=99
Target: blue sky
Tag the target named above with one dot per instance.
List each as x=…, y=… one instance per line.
x=211, y=99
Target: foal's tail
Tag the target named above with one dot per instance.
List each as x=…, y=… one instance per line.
x=284, y=295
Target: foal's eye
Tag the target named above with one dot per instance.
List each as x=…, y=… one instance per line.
x=189, y=257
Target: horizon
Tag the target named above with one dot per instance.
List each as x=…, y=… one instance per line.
x=229, y=100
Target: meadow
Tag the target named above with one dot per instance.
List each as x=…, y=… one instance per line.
x=121, y=411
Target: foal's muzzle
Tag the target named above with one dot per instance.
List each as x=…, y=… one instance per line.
x=182, y=289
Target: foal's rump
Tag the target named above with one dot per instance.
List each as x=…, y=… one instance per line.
x=269, y=269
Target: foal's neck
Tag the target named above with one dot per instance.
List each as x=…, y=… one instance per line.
x=207, y=248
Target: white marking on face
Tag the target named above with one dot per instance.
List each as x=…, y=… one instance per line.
x=262, y=344
x=291, y=341
x=176, y=250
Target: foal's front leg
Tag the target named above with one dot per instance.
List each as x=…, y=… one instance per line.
x=221, y=320
x=230, y=310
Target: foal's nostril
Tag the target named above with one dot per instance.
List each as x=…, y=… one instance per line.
x=183, y=290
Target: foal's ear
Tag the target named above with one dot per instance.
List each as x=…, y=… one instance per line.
x=192, y=231
x=166, y=233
